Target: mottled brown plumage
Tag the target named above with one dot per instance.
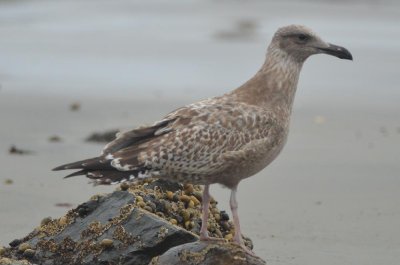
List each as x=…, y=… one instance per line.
x=219, y=140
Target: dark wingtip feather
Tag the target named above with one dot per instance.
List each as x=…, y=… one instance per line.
x=91, y=163
x=63, y=167
x=75, y=165
x=78, y=173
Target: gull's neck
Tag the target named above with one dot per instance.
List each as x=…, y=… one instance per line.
x=274, y=85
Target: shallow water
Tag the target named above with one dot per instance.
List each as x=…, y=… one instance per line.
x=332, y=195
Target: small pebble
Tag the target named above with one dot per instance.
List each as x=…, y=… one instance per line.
x=6, y=261
x=62, y=221
x=3, y=250
x=225, y=225
x=185, y=215
x=214, y=211
x=217, y=217
x=173, y=221
x=195, y=200
x=162, y=215
x=212, y=227
x=152, y=205
x=184, y=198
x=212, y=200
x=188, y=188
x=107, y=243
x=224, y=216
x=189, y=224
x=82, y=212
x=169, y=195
x=191, y=204
x=96, y=197
x=178, y=218
x=148, y=208
x=15, y=242
x=139, y=198
x=218, y=233
x=166, y=205
x=176, y=197
x=75, y=106
x=55, y=139
x=228, y=236
x=29, y=253
x=141, y=204
x=198, y=195
x=24, y=246
x=45, y=221
x=63, y=204
x=124, y=186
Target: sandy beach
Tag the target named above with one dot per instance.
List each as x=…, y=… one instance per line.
x=332, y=197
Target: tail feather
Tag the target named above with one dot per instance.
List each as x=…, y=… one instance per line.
x=101, y=172
x=91, y=163
x=77, y=173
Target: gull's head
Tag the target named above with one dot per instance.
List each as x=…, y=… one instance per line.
x=299, y=43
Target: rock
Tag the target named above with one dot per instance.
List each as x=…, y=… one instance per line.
x=75, y=106
x=17, y=151
x=137, y=236
x=207, y=253
x=116, y=229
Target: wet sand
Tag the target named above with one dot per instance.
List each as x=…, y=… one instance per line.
x=332, y=197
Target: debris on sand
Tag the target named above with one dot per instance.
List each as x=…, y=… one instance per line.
x=55, y=139
x=75, y=106
x=16, y=151
x=63, y=204
x=8, y=181
x=102, y=137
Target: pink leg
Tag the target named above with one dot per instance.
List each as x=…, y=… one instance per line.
x=238, y=234
x=204, y=219
x=234, y=206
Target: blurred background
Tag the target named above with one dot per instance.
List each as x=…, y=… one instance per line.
x=71, y=68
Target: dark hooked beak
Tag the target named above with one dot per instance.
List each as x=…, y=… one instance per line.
x=337, y=51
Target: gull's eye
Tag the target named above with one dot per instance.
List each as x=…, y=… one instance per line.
x=302, y=37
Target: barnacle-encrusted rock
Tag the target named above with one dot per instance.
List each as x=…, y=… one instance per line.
x=129, y=226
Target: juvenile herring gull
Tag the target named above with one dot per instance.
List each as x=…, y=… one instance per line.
x=219, y=140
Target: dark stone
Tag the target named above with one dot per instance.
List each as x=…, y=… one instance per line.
x=17, y=151
x=224, y=216
x=207, y=253
x=87, y=207
x=15, y=242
